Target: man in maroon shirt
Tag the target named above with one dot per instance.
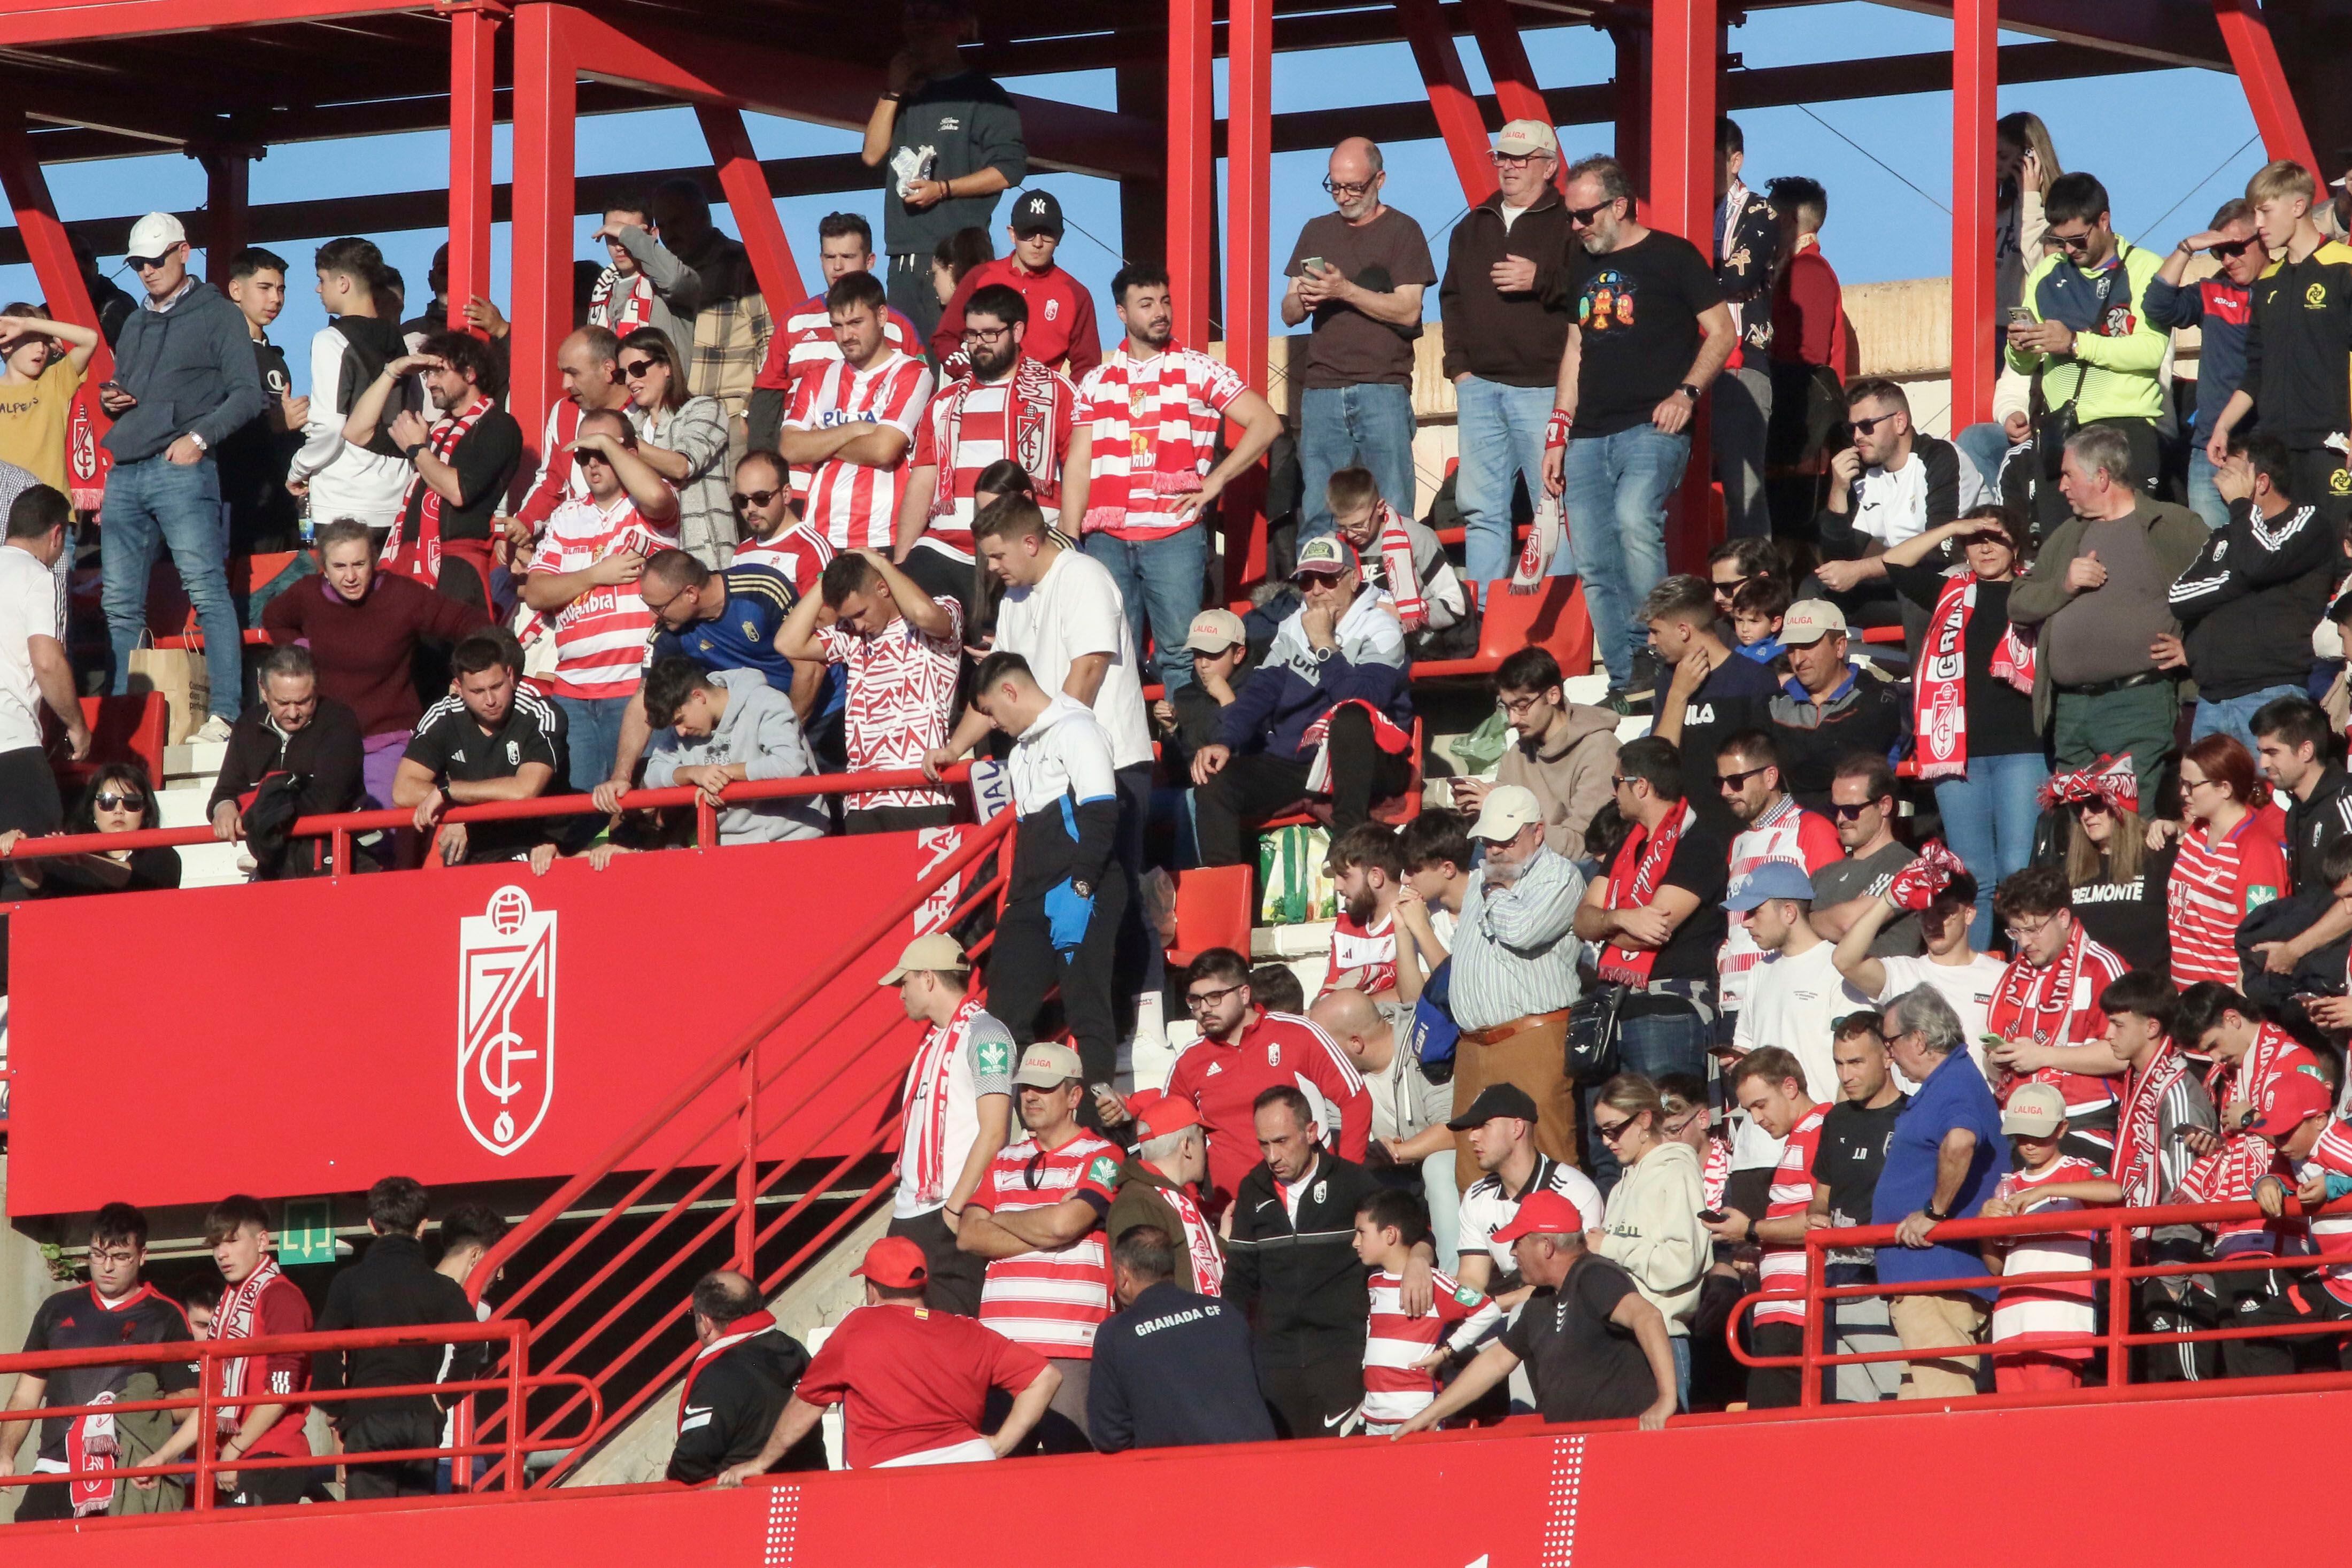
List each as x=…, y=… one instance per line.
x=1060, y=332
x=1812, y=353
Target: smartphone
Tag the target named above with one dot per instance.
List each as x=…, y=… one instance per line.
x=1713, y=1216
x=2019, y=316
x=1991, y=1039
x=1312, y=263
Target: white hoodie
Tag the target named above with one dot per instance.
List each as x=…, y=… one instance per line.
x=1654, y=1233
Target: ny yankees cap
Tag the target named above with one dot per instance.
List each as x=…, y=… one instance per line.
x=1035, y=211
x=939, y=951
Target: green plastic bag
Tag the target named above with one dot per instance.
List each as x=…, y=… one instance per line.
x=1293, y=887
x=1483, y=746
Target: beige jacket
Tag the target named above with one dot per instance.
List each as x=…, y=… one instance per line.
x=1654, y=1233
x=1572, y=780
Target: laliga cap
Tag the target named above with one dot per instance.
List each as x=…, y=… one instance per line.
x=1521, y=137
x=2034, y=1110
x=1214, y=631
x=1809, y=621
x=938, y=951
x=1047, y=1065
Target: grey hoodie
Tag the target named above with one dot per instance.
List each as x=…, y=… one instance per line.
x=192, y=369
x=759, y=730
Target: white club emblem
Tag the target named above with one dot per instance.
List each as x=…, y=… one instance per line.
x=506, y=1021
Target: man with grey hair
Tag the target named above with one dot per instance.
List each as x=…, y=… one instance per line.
x=2100, y=592
x=312, y=742
x=1944, y=1159
x=1159, y=1186
x=1358, y=273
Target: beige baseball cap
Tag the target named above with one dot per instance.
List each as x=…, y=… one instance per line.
x=1521, y=137
x=1048, y=1064
x=939, y=951
x=2034, y=1110
x=1508, y=808
x=1809, y=621
x=1214, y=631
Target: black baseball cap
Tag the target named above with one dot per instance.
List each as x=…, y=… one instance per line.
x=1037, y=212
x=1495, y=1100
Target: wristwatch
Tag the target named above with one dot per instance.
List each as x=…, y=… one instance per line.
x=1929, y=1210
x=202, y=445
x=1083, y=889
x=1688, y=390
x=1323, y=655
x=411, y=450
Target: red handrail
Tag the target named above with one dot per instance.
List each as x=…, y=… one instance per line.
x=2117, y=1272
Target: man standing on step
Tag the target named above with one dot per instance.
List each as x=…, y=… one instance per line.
x=958, y=1113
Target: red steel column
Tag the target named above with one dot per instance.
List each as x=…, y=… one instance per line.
x=1976, y=56
x=1685, y=57
x=473, y=36
x=2255, y=55
x=59, y=275
x=1249, y=168
x=754, y=206
x=1631, y=36
x=228, y=186
x=1192, y=166
x=1450, y=97
x=545, y=100
x=1507, y=64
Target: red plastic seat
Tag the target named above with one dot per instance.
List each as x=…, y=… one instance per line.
x=122, y=729
x=1213, y=910
x=1553, y=617
x=173, y=620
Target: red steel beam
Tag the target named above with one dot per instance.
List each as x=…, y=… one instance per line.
x=1975, y=26
x=59, y=275
x=1450, y=97
x=473, y=105
x=128, y=18
x=2254, y=55
x=1249, y=167
x=746, y=186
x=1192, y=166
x=1684, y=57
x=545, y=77
x=1505, y=54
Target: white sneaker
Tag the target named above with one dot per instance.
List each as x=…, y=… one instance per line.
x=214, y=730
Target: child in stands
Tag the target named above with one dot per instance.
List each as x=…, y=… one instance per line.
x=1402, y=1355
x=2027, y=1317
x=1756, y=608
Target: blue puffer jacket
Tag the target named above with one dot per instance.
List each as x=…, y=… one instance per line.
x=1293, y=688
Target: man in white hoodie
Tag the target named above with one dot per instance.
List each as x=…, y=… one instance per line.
x=368, y=483
x=717, y=727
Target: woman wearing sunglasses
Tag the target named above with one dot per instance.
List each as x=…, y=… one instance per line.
x=2119, y=882
x=1652, y=1229
x=1972, y=697
x=2233, y=859
x=118, y=800
x=683, y=439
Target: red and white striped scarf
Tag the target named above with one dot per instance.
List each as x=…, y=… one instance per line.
x=1633, y=878
x=623, y=309
x=2035, y=1003
x=1200, y=1238
x=1028, y=409
x=934, y=1063
x=1393, y=547
x=234, y=1318
x=420, y=557
x=1939, y=686
x=1386, y=733
x=2138, y=1165
x=749, y=1326
x=1176, y=466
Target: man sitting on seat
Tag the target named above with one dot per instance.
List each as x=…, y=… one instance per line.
x=1331, y=711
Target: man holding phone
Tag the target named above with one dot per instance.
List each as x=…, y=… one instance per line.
x=184, y=381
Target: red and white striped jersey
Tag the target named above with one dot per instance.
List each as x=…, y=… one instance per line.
x=600, y=637
x=1155, y=424
x=1050, y=1302
x=2215, y=886
x=2331, y=1234
x=1027, y=418
x=1783, y=1268
x=852, y=504
x=1458, y=1318
x=2022, y=1313
x=800, y=553
x=2274, y=1072
x=803, y=343
x=1363, y=958
x=559, y=479
x=902, y=688
x=1786, y=832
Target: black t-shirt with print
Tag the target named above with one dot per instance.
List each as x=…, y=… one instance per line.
x=1637, y=311
x=1584, y=1368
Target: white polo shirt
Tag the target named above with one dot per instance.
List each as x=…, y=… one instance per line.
x=1073, y=611
x=28, y=607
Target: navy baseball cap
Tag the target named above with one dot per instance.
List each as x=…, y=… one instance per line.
x=1773, y=878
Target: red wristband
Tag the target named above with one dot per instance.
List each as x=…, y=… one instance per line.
x=1556, y=429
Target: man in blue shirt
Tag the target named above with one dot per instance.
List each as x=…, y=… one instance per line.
x=1943, y=1161
x=722, y=620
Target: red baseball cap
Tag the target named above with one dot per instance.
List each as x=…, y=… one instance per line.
x=1543, y=1214
x=895, y=1263
x=2295, y=1098
x=1157, y=1114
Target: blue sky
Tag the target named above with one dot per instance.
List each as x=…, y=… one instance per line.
x=2152, y=138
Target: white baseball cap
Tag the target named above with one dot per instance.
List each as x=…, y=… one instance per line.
x=1508, y=808
x=155, y=234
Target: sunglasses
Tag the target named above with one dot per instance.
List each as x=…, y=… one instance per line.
x=1583, y=216
x=1739, y=779
x=1865, y=426
x=1850, y=813
x=146, y=262
x=1516, y=160
x=1612, y=1131
x=108, y=800
x=2072, y=242
x=747, y=499
x=1725, y=587
x=2094, y=807
x=2228, y=250
x=639, y=368
x=1311, y=579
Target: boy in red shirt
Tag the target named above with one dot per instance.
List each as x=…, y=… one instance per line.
x=259, y=1304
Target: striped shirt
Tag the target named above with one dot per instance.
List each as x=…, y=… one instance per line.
x=601, y=636
x=1155, y=423
x=1363, y=958
x=800, y=553
x=559, y=477
x=854, y=503
x=1026, y=418
x=1787, y=833
x=2275, y=1067
x=2216, y=886
x=2332, y=1233
x=1783, y=1268
x=2022, y=1313
x=1515, y=945
x=1051, y=1302
x=804, y=344
x=902, y=686
x=1458, y=1318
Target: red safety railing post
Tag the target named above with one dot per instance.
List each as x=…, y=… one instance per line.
x=706, y=823
x=207, y=1428
x=1811, y=1341
x=2119, y=1304
x=518, y=1351
x=747, y=1174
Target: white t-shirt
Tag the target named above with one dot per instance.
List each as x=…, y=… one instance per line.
x=28, y=608
x=1791, y=1003
x=1968, y=987
x=1486, y=1208
x=1894, y=505
x=1073, y=611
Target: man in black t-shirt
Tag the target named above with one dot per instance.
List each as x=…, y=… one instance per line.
x=488, y=740
x=262, y=513
x=2301, y=939
x=113, y=1309
x=1705, y=692
x=1845, y=1174
x=1648, y=332
x=462, y=464
x=1594, y=1350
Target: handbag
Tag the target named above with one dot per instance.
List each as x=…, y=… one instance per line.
x=1592, y=1024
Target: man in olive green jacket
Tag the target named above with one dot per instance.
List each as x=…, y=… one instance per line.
x=2108, y=674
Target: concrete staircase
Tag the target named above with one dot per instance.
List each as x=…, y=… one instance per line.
x=189, y=772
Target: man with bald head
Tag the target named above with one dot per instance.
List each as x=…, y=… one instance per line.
x=1408, y=1112
x=745, y=1368
x=1357, y=272
x=588, y=361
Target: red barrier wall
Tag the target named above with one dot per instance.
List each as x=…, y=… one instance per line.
x=2070, y=1488
x=472, y=1025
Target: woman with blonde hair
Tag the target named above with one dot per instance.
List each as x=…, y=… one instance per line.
x=2024, y=162
x=1653, y=1228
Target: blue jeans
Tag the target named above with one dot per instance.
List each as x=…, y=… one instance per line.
x=1985, y=445
x=1341, y=427
x=1502, y=439
x=593, y=726
x=1616, y=491
x=1989, y=819
x=154, y=503
x=2234, y=715
x=2203, y=498
x=1159, y=580
x=1649, y=1044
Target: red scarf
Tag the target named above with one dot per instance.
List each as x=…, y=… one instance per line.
x=1174, y=470
x=2138, y=1165
x=634, y=307
x=1939, y=686
x=234, y=1318
x=90, y=1440
x=1199, y=1237
x=1634, y=879
x=934, y=1061
x=420, y=557
x=1025, y=431
x=1395, y=547
x=2036, y=1004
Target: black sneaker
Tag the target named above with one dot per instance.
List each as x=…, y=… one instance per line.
x=1646, y=671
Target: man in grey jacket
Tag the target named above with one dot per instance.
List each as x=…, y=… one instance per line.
x=185, y=379
x=717, y=727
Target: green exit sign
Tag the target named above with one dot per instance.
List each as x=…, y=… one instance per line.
x=309, y=1233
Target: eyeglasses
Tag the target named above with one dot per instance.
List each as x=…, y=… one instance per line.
x=986, y=334
x=1516, y=707
x=1674, y=1127
x=1515, y=160
x=2025, y=933
x=2190, y=786
x=1737, y=781
x=747, y=499
x=2228, y=250
x=117, y=1256
x=1348, y=189
x=108, y=800
x=1583, y=216
x=640, y=368
x=2072, y=242
x=1850, y=813
x=1197, y=1001
x=1612, y=1131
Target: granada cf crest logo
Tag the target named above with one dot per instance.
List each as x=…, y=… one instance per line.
x=506, y=1021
